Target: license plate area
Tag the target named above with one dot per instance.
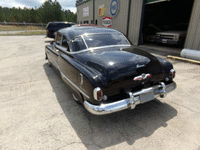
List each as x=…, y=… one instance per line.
x=146, y=97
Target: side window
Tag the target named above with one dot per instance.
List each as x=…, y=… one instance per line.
x=58, y=39
x=64, y=43
x=77, y=44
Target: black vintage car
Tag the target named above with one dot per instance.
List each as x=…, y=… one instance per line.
x=108, y=74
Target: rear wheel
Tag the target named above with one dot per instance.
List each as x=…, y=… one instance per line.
x=78, y=98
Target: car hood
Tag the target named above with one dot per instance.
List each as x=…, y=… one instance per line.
x=114, y=64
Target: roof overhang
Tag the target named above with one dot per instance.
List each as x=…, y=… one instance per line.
x=155, y=1
x=80, y=2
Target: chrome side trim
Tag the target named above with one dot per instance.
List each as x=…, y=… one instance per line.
x=74, y=85
x=74, y=97
x=56, y=65
x=90, y=49
x=61, y=48
x=48, y=51
x=93, y=48
x=81, y=79
x=84, y=41
x=134, y=99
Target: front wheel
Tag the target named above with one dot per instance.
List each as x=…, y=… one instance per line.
x=48, y=60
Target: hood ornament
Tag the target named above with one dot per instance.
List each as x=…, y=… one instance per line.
x=142, y=77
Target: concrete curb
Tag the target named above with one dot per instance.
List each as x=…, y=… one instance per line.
x=184, y=59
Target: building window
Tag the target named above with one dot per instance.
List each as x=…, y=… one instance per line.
x=96, y=22
x=86, y=22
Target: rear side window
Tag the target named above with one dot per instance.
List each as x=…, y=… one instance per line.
x=58, y=39
x=77, y=45
x=65, y=43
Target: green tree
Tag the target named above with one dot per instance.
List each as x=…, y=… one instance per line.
x=49, y=11
x=70, y=16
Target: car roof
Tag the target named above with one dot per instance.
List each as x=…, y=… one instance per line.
x=73, y=32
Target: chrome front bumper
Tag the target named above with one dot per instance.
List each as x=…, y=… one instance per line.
x=136, y=98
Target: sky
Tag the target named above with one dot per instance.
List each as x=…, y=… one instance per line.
x=66, y=4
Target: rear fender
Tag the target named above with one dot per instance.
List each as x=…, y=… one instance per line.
x=87, y=79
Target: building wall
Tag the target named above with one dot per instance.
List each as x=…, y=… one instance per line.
x=120, y=21
x=135, y=21
x=80, y=12
x=193, y=35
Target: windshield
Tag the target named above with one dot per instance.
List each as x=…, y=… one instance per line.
x=99, y=40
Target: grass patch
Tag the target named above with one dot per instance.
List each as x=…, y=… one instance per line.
x=18, y=28
x=28, y=33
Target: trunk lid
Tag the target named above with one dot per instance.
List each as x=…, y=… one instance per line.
x=117, y=68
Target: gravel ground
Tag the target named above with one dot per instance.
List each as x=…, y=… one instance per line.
x=38, y=111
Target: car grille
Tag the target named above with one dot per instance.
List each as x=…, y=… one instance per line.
x=165, y=36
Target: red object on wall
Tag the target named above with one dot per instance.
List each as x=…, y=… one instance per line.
x=107, y=22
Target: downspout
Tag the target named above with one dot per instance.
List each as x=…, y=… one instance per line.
x=128, y=19
x=141, y=23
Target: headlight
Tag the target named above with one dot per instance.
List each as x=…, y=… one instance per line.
x=176, y=37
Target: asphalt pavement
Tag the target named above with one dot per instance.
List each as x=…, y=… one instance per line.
x=38, y=111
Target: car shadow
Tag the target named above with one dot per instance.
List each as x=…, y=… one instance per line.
x=98, y=132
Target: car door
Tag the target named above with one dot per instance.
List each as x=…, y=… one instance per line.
x=68, y=63
x=55, y=50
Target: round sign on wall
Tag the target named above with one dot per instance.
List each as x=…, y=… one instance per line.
x=114, y=7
